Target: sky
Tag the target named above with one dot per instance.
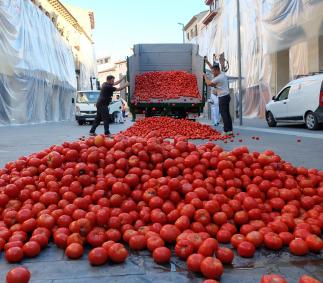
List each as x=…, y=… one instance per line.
x=122, y=23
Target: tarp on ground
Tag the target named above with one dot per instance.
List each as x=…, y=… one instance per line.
x=267, y=26
x=37, y=72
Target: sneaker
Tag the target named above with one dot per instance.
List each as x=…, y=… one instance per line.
x=92, y=134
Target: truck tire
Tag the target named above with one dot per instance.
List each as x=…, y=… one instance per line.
x=311, y=121
x=270, y=119
x=81, y=122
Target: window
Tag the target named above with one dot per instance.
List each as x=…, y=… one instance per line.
x=214, y=5
x=196, y=30
x=188, y=35
x=106, y=60
x=283, y=94
x=192, y=33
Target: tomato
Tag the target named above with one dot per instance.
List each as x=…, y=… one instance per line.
x=74, y=251
x=211, y=268
x=138, y=242
x=31, y=249
x=14, y=254
x=246, y=249
x=98, y=256
x=298, y=247
x=256, y=238
x=273, y=278
x=210, y=281
x=237, y=239
x=314, y=243
x=273, y=241
x=225, y=255
x=184, y=248
x=169, y=233
x=118, y=253
x=223, y=236
x=208, y=247
x=308, y=279
x=194, y=262
x=18, y=275
x=155, y=242
x=161, y=255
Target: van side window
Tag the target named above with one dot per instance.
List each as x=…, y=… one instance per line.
x=284, y=94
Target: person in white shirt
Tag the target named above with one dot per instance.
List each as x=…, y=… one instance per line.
x=220, y=85
x=119, y=118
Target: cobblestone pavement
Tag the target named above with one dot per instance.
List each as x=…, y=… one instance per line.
x=53, y=267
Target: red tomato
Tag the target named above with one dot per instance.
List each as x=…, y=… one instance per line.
x=74, y=251
x=256, y=238
x=314, y=243
x=138, y=242
x=154, y=242
x=308, y=279
x=208, y=247
x=18, y=275
x=161, y=255
x=194, y=262
x=98, y=256
x=211, y=268
x=225, y=255
x=298, y=247
x=184, y=248
x=14, y=254
x=31, y=249
x=169, y=233
x=273, y=241
x=246, y=249
x=118, y=253
x=273, y=278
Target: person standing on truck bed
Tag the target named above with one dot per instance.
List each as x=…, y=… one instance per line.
x=102, y=105
x=220, y=84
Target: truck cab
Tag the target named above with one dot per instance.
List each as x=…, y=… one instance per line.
x=85, y=106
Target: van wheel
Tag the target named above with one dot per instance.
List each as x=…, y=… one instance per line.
x=311, y=121
x=270, y=119
x=80, y=122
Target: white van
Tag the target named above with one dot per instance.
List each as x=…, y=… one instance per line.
x=300, y=101
x=85, y=106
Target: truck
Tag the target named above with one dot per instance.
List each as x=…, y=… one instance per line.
x=85, y=106
x=166, y=57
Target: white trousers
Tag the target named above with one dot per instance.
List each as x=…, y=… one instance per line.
x=119, y=118
x=215, y=113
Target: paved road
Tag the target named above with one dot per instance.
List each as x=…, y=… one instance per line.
x=53, y=267
x=297, y=145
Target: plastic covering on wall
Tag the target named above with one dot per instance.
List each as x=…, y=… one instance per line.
x=87, y=63
x=298, y=60
x=286, y=22
x=37, y=73
x=267, y=26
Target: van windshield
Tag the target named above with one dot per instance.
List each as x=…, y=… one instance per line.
x=87, y=97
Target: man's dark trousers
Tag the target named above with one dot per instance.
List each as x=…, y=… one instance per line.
x=224, y=105
x=102, y=114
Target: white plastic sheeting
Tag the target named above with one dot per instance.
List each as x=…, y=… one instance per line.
x=267, y=26
x=37, y=73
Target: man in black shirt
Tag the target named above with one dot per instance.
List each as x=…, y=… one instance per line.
x=103, y=102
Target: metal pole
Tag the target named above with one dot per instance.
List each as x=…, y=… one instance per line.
x=239, y=62
x=183, y=35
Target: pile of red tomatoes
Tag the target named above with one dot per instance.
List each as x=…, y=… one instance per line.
x=167, y=127
x=165, y=85
x=150, y=193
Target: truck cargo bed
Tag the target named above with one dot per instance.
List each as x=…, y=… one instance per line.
x=166, y=57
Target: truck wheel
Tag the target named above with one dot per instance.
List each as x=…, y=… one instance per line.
x=270, y=119
x=311, y=121
x=81, y=122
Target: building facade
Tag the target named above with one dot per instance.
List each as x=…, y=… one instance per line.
x=280, y=40
x=75, y=26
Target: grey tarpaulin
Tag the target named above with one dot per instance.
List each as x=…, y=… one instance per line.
x=37, y=73
x=267, y=26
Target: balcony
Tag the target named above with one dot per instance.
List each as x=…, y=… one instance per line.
x=208, y=2
x=210, y=17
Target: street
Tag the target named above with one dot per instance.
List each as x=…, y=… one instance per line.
x=294, y=144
